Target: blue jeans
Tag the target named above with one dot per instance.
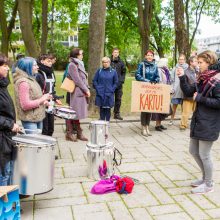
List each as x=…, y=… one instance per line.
x=7, y=178
x=32, y=127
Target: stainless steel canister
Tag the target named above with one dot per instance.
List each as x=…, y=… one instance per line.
x=100, y=160
x=99, y=132
x=34, y=163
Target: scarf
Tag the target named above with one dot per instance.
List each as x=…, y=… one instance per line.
x=208, y=76
x=210, y=84
x=48, y=70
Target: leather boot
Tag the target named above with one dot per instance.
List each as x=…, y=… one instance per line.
x=69, y=132
x=80, y=135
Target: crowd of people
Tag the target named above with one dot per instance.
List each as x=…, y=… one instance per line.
x=195, y=85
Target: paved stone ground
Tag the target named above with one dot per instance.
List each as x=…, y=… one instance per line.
x=161, y=163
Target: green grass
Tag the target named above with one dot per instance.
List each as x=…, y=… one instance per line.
x=126, y=98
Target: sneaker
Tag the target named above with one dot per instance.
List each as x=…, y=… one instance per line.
x=202, y=189
x=170, y=123
x=144, y=132
x=197, y=183
x=182, y=129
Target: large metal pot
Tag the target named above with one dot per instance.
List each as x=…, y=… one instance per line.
x=34, y=163
x=101, y=160
x=99, y=132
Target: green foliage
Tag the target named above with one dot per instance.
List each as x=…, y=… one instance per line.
x=62, y=54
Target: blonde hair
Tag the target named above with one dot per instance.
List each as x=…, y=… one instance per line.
x=107, y=59
x=208, y=56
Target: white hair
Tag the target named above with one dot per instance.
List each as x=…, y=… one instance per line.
x=163, y=62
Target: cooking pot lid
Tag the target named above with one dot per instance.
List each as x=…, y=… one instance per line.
x=98, y=146
x=100, y=122
x=34, y=139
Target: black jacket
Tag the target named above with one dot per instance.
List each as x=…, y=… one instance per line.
x=7, y=120
x=120, y=68
x=205, y=123
x=41, y=79
x=215, y=66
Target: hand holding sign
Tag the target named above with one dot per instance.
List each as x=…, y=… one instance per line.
x=148, y=97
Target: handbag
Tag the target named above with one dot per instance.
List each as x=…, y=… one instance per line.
x=68, y=85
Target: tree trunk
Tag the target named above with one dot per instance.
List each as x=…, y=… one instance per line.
x=13, y=18
x=52, y=26
x=44, y=26
x=180, y=30
x=144, y=17
x=96, y=40
x=4, y=29
x=25, y=9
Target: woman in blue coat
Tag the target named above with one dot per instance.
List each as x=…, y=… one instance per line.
x=105, y=82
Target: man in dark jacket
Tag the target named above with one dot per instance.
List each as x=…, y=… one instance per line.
x=120, y=68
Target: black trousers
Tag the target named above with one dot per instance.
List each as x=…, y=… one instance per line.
x=105, y=114
x=118, y=97
x=48, y=125
x=145, y=118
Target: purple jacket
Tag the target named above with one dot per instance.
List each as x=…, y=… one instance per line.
x=78, y=99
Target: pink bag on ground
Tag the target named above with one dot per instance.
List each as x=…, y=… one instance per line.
x=105, y=186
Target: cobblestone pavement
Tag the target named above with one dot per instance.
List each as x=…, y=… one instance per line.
x=161, y=163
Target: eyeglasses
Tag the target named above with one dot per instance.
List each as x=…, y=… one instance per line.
x=106, y=62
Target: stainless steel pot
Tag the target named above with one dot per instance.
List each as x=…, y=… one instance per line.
x=99, y=132
x=34, y=163
x=101, y=160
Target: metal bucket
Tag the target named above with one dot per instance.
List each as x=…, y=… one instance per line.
x=101, y=160
x=34, y=163
x=99, y=132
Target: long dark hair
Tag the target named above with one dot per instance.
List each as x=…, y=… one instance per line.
x=75, y=52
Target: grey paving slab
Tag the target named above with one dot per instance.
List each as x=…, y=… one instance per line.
x=119, y=210
x=164, y=209
x=136, y=167
x=63, y=191
x=92, y=212
x=140, y=214
x=51, y=203
x=53, y=213
x=194, y=211
x=141, y=197
x=161, y=163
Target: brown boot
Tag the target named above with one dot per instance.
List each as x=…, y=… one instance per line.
x=80, y=135
x=69, y=132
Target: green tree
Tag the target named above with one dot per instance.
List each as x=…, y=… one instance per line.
x=7, y=22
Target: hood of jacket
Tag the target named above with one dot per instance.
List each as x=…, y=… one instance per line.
x=20, y=74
